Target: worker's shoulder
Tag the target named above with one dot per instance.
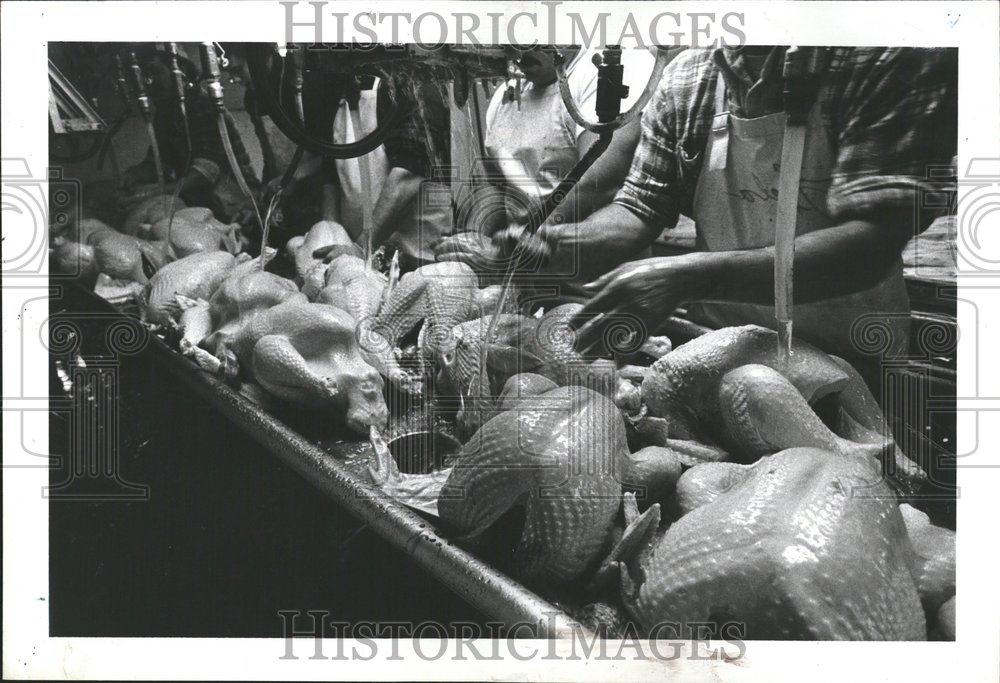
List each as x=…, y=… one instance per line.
x=684, y=80
x=689, y=68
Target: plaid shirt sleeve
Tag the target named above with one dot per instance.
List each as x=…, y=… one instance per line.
x=894, y=117
x=660, y=183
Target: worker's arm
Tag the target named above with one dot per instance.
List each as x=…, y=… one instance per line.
x=648, y=195
x=400, y=192
x=585, y=250
x=849, y=257
x=598, y=185
x=418, y=149
x=481, y=215
x=603, y=179
x=482, y=210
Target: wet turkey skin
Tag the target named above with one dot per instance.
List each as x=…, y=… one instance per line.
x=188, y=236
x=727, y=385
x=308, y=354
x=239, y=298
x=326, y=235
x=562, y=458
x=150, y=210
x=351, y=285
x=196, y=276
x=441, y=295
x=784, y=547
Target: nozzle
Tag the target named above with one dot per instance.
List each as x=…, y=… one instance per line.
x=180, y=80
x=610, y=83
x=514, y=76
x=799, y=73
x=212, y=75
x=145, y=107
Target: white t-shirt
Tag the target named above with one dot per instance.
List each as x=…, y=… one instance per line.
x=533, y=147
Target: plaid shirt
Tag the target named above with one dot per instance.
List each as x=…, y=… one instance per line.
x=892, y=113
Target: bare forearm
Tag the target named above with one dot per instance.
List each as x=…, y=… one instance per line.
x=587, y=196
x=399, y=194
x=846, y=258
x=608, y=238
x=599, y=184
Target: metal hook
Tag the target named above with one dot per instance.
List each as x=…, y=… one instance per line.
x=223, y=60
x=514, y=76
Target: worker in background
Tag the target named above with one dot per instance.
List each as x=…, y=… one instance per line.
x=532, y=143
x=313, y=192
x=414, y=209
x=209, y=180
x=711, y=149
x=408, y=192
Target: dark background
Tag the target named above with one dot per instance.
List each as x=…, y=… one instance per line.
x=228, y=536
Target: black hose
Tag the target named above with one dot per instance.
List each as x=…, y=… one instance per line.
x=539, y=215
x=481, y=137
x=258, y=55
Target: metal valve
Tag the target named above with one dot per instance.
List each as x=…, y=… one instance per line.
x=212, y=75
x=799, y=74
x=610, y=88
x=180, y=81
x=145, y=107
x=514, y=76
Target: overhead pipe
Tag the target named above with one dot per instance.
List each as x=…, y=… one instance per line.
x=212, y=76
x=180, y=88
x=146, y=110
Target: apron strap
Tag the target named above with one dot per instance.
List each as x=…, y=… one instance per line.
x=720, y=128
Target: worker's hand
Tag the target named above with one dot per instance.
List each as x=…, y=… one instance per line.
x=533, y=252
x=506, y=238
x=245, y=216
x=472, y=249
x=273, y=186
x=634, y=299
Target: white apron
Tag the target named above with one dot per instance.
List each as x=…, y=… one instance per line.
x=349, y=171
x=423, y=222
x=734, y=209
